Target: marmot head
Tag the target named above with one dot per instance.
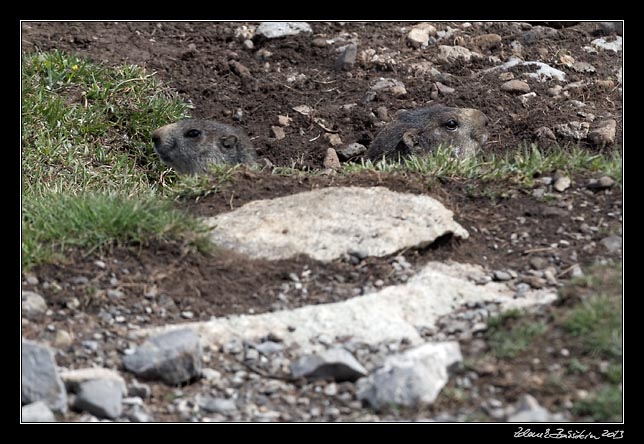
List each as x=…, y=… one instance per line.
x=420, y=132
x=190, y=146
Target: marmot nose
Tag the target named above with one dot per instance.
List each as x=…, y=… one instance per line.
x=156, y=137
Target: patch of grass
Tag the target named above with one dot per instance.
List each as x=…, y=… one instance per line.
x=518, y=166
x=90, y=177
x=507, y=339
x=54, y=223
x=196, y=187
x=87, y=127
x=603, y=405
x=597, y=323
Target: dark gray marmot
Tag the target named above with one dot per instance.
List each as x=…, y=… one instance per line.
x=190, y=146
x=420, y=132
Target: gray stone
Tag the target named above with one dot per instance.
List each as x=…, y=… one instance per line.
x=272, y=30
x=172, y=357
x=331, y=160
x=217, y=405
x=329, y=222
x=393, y=314
x=527, y=409
x=543, y=73
x=612, y=45
x=562, y=184
x=411, y=379
x=73, y=379
x=268, y=347
x=450, y=54
x=37, y=412
x=572, y=130
x=583, y=67
x=538, y=33
x=515, y=86
x=419, y=35
x=100, y=397
x=336, y=363
x=612, y=243
x=394, y=86
x=602, y=183
x=278, y=132
x=351, y=150
x=40, y=381
x=347, y=58
x=136, y=388
x=32, y=303
x=502, y=276
x=603, y=133
x=610, y=27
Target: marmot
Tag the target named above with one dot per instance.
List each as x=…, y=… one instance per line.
x=421, y=131
x=190, y=146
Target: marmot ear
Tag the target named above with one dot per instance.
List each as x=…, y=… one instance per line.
x=410, y=138
x=228, y=141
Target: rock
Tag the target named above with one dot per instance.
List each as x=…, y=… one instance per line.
x=582, y=67
x=40, y=381
x=576, y=271
x=545, y=134
x=100, y=397
x=602, y=183
x=486, y=42
x=502, y=276
x=329, y=222
x=32, y=303
x=411, y=379
x=543, y=73
x=142, y=391
x=351, y=150
x=444, y=89
x=528, y=409
x=538, y=263
x=450, y=54
x=604, y=133
x=172, y=357
x=74, y=378
x=283, y=120
x=395, y=87
x=394, y=314
x=336, y=363
x=538, y=33
x=333, y=139
x=62, y=339
x=612, y=243
x=268, y=347
x=331, y=160
x=272, y=30
x=37, y=412
x=614, y=45
x=347, y=58
x=217, y=405
x=278, y=132
x=562, y=184
x=572, y=130
x=419, y=34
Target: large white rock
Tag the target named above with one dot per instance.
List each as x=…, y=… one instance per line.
x=272, y=30
x=390, y=314
x=329, y=222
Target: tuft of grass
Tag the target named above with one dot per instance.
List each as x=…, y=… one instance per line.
x=87, y=126
x=603, y=405
x=519, y=166
x=506, y=340
x=55, y=223
x=597, y=322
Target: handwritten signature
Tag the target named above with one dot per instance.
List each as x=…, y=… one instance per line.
x=567, y=434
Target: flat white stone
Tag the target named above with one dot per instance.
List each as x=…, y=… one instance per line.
x=329, y=222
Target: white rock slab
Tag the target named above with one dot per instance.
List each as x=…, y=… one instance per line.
x=329, y=222
x=391, y=314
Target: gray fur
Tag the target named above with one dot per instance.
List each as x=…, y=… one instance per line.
x=420, y=132
x=216, y=143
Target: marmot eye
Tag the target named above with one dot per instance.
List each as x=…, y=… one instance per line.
x=451, y=124
x=192, y=133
